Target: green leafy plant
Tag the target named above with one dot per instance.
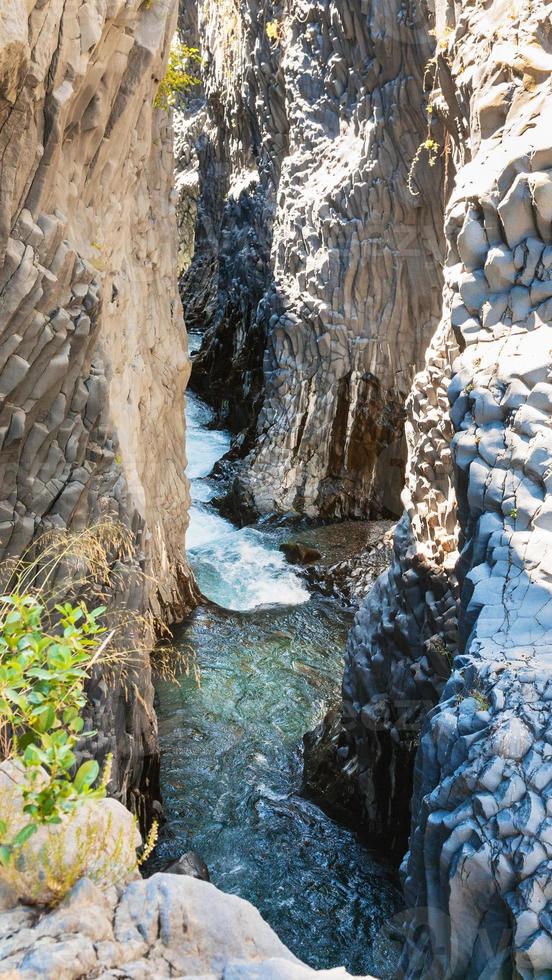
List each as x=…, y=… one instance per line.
x=179, y=79
x=43, y=670
x=60, y=623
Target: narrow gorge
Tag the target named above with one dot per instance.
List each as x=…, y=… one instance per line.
x=322, y=569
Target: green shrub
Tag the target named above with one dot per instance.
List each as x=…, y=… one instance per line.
x=43, y=671
x=179, y=78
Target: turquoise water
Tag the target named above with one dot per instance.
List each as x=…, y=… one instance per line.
x=269, y=663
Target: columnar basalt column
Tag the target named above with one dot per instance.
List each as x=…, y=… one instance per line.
x=317, y=271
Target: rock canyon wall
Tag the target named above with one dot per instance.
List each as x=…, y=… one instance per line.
x=93, y=359
x=317, y=273
x=461, y=621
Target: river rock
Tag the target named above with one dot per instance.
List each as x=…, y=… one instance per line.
x=58, y=854
x=299, y=553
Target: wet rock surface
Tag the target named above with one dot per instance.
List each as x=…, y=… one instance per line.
x=189, y=864
x=299, y=553
x=325, y=777
x=353, y=555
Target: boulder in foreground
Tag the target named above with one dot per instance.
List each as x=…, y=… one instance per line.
x=166, y=926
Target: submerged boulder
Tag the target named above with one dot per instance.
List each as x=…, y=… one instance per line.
x=189, y=864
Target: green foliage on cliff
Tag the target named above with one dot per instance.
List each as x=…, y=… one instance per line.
x=43, y=671
x=179, y=78
x=275, y=31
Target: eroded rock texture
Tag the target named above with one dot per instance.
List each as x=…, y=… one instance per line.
x=168, y=926
x=92, y=356
x=317, y=272
x=478, y=876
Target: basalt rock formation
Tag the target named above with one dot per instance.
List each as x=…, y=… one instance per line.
x=454, y=639
x=317, y=271
x=92, y=359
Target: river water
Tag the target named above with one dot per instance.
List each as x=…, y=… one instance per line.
x=266, y=661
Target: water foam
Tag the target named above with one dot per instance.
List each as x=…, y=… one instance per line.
x=238, y=569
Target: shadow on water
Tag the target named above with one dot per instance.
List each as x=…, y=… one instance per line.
x=231, y=757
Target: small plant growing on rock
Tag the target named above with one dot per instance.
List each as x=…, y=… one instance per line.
x=429, y=146
x=443, y=38
x=179, y=78
x=483, y=702
x=100, y=260
x=275, y=31
x=438, y=646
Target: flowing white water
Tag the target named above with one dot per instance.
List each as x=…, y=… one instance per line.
x=239, y=569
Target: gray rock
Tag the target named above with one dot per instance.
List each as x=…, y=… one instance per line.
x=88, y=210
x=169, y=925
x=469, y=586
x=299, y=553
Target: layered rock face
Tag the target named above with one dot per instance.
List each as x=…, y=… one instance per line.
x=475, y=535
x=168, y=926
x=93, y=360
x=317, y=271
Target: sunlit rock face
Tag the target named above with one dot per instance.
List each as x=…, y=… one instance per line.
x=317, y=271
x=168, y=926
x=476, y=533
x=93, y=360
